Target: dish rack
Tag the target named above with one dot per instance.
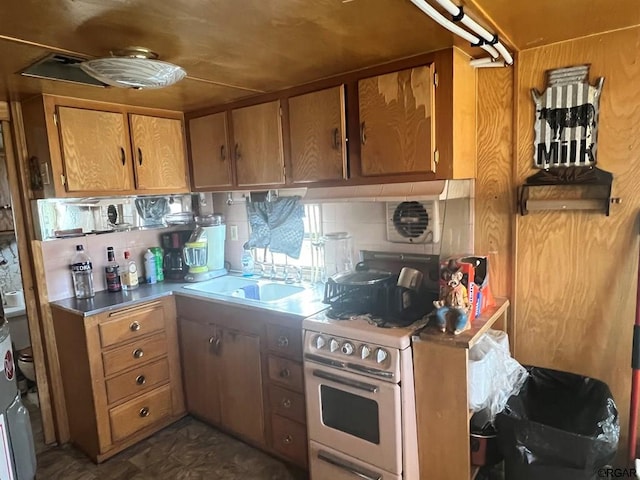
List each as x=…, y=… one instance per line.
x=376, y=298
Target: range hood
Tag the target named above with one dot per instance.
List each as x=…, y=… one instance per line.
x=393, y=192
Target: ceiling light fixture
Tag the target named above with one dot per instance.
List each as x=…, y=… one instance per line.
x=134, y=67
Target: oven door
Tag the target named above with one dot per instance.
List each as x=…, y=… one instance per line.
x=356, y=415
x=326, y=463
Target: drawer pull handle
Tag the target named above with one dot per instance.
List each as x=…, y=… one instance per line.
x=134, y=327
x=144, y=412
x=285, y=373
x=287, y=439
x=286, y=403
x=283, y=341
x=140, y=380
x=137, y=353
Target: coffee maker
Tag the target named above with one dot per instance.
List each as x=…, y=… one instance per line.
x=204, y=252
x=173, y=263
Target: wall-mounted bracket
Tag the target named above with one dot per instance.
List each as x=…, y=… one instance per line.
x=568, y=176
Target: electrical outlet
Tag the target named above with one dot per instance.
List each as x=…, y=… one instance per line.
x=233, y=231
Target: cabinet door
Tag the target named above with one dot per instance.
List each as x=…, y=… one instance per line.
x=95, y=150
x=210, y=156
x=318, y=142
x=258, y=155
x=241, y=385
x=397, y=123
x=158, y=148
x=200, y=368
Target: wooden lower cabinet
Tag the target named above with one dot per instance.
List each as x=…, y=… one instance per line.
x=121, y=374
x=223, y=375
x=242, y=372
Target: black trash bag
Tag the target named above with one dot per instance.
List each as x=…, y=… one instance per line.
x=561, y=426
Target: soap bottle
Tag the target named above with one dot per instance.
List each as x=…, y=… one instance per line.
x=130, y=273
x=150, y=267
x=82, y=274
x=247, y=262
x=112, y=272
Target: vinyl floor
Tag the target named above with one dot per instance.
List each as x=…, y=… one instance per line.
x=186, y=450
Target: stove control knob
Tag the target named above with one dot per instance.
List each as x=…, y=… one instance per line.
x=347, y=348
x=381, y=355
x=365, y=351
x=320, y=342
x=334, y=345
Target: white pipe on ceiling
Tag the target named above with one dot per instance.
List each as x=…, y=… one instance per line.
x=452, y=27
x=479, y=36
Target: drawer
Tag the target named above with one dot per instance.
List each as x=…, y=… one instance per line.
x=139, y=380
x=285, y=372
x=285, y=341
x=128, y=418
x=134, y=354
x=287, y=403
x=128, y=324
x=289, y=438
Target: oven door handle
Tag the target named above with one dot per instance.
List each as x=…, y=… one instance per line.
x=348, y=466
x=323, y=361
x=367, y=387
x=370, y=371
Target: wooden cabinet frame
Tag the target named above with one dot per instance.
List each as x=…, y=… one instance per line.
x=44, y=143
x=455, y=118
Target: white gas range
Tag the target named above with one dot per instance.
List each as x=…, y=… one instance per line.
x=360, y=399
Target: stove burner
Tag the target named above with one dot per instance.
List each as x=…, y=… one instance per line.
x=342, y=314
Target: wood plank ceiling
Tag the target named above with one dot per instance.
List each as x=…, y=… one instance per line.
x=233, y=49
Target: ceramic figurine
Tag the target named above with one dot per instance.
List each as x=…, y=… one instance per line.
x=453, y=305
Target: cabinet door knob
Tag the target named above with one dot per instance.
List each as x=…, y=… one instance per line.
x=223, y=153
x=363, y=134
x=140, y=380
x=137, y=353
x=285, y=373
x=134, y=327
x=139, y=156
x=215, y=343
x=237, y=152
x=283, y=341
x=287, y=439
x=286, y=402
x=144, y=412
x=123, y=157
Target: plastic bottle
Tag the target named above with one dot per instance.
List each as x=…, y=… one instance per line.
x=247, y=263
x=150, y=267
x=82, y=274
x=159, y=253
x=112, y=272
x=129, y=273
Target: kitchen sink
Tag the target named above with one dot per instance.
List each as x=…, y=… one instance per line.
x=224, y=285
x=272, y=292
x=267, y=292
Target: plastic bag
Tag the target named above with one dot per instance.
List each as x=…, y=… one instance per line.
x=493, y=374
x=561, y=426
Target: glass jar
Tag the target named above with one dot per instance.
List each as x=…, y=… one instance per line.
x=338, y=253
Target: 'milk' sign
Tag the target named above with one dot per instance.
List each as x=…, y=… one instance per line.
x=566, y=122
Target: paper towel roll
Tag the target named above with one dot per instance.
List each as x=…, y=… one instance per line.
x=14, y=299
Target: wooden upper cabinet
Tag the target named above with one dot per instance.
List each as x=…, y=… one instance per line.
x=210, y=155
x=95, y=150
x=257, y=150
x=158, y=148
x=397, y=122
x=318, y=141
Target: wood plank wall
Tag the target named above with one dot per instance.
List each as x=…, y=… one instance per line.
x=494, y=204
x=575, y=272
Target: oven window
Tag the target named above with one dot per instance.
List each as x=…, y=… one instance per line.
x=350, y=414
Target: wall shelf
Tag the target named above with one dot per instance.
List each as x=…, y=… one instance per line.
x=598, y=185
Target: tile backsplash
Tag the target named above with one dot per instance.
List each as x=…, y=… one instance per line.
x=58, y=253
x=366, y=222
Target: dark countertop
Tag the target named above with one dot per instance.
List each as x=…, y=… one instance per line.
x=302, y=304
